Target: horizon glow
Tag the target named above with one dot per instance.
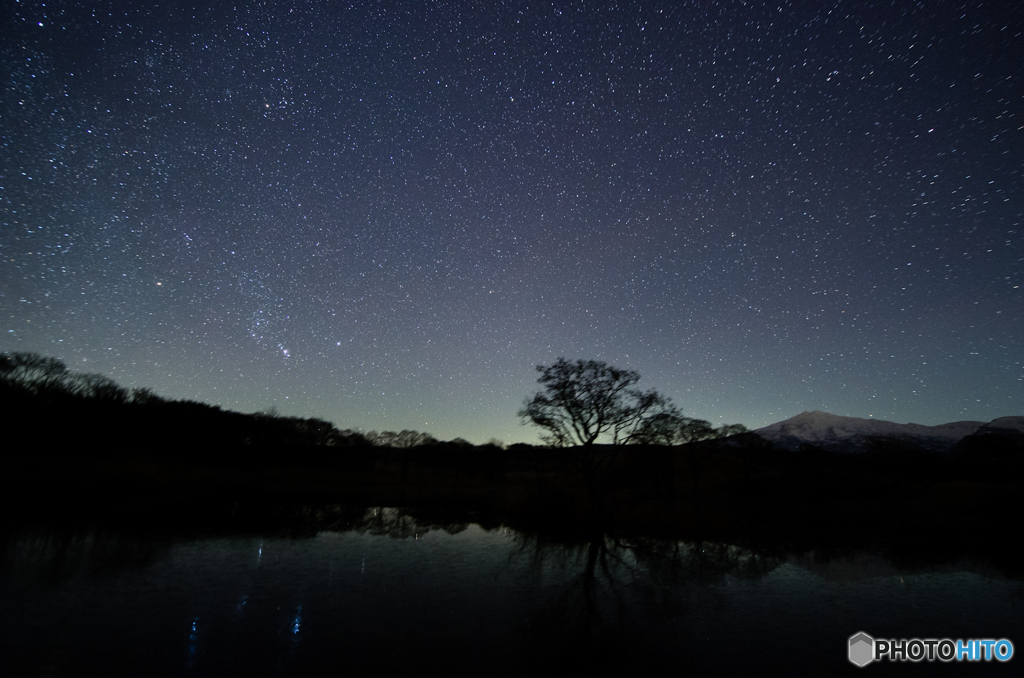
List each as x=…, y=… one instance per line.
x=387, y=216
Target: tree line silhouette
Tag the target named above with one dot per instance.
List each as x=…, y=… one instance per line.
x=132, y=448
x=581, y=402
x=64, y=408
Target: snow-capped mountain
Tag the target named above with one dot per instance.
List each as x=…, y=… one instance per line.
x=831, y=431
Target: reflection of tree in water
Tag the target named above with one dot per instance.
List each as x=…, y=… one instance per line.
x=609, y=583
x=397, y=523
x=308, y=520
x=52, y=555
x=57, y=553
x=595, y=590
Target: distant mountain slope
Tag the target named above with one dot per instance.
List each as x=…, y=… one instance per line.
x=1001, y=436
x=852, y=434
x=1004, y=424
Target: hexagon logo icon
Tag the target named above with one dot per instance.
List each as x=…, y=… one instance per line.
x=862, y=649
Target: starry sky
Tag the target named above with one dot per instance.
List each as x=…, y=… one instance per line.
x=386, y=214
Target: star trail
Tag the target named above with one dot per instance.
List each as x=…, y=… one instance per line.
x=385, y=214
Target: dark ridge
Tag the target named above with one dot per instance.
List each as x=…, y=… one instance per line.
x=94, y=453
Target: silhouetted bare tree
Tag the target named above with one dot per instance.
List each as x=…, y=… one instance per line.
x=36, y=373
x=405, y=439
x=585, y=399
x=50, y=377
x=671, y=428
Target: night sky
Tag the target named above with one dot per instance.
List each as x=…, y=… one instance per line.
x=386, y=214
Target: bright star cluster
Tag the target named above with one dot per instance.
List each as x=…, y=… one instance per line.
x=385, y=214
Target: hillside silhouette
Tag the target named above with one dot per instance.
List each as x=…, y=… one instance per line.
x=67, y=413
x=90, y=450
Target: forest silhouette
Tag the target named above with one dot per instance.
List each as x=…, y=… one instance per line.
x=85, y=448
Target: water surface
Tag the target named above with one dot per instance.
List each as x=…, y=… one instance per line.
x=391, y=595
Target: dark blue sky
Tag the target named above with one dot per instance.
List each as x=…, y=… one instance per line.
x=387, y=215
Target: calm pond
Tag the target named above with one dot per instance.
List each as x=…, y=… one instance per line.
x=389, y=595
